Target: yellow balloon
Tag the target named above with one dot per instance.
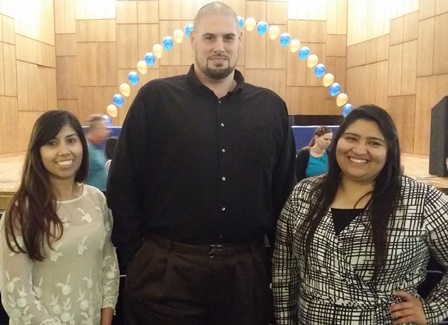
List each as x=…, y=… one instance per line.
x=328, y=79
x=112, y=110
x=250, y=24
x=157, y=49
x=312, y=60
x=294, y=46
x=273, y=32
x=125, y=89
x=178, y=36
x=342, y=99
x=142, y=67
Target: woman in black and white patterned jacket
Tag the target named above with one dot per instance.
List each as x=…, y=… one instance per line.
x=352, y=246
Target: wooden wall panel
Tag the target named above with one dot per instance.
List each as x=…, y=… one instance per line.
x=22, y=86
x=105, y=30
x=295, y=71
x=9, y=68
x=25, y=125
x=64, y=16
x=51, y=88
x=188, y=9
x=319, y=50
x=8, y=27
x=2, y=72
x=127, y=12
x=67, y=77
x=337, y=17
x=275, y=53
x=309, y=100
x=69, y=105
x=9, y=131
x=425, y=49
x=86, y=30
x=441, y=7
x=409, y=76
x=402, y=110
x=272, y=79
x=395, y=69
x=396, y=31
x=383, y=48
x=256, y=44
x=170, y=10
x=316, y=31
x=440, y=44
x=148, y=12
x=372, y=50
x=426, y=8
x=382, y=83
x=410, y=32
x=127, y=46
x=297, y=29
x=277, y=13
x=86, y=64
x=65, y=44
x=337, y=45
x=106, y=64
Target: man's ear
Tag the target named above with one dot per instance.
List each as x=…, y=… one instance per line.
x=192, y=39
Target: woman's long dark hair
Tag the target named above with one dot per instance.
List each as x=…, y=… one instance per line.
x=385, y=195
x=32, y=211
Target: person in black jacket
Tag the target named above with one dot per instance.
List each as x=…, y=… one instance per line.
x=313, y=159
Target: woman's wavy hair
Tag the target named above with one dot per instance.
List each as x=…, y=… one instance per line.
x=385, y=194
x=31, y=215
x=320, y=131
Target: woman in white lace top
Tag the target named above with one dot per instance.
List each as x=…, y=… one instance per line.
x=57, y=262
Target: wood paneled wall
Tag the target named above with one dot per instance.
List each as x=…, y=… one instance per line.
x=404, y=70
x=27, y=69
x=74, y=54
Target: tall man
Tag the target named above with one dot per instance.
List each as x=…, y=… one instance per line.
x=202, y=168
x=97, y=133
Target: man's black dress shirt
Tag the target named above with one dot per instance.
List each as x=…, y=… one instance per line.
x=200, y=169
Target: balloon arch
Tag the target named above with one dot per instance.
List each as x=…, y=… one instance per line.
x=262, y=28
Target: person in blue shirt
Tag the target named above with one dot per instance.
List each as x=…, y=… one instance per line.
x=313, y=159
x=97, y=133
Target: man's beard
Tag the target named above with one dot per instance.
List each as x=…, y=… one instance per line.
x=216, y=73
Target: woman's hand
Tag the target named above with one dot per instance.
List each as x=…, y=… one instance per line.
x=410, y=310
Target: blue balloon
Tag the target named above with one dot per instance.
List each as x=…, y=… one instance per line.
x=133, y=77
x=150, y=59
x=347, y=108
x=240, y=22
x=107, y=120
x=319, y=70
x=167, y=42
x=304, y=52
x=334, y=89
x=262, y=27
x=118, y=100
x=188, y=29
x=285, y=38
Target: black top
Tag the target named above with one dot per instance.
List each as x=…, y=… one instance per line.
x=200, y=169
x=302, y=162
x=343, y=217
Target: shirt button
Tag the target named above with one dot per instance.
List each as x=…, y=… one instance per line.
x=223, y=150
x=219, y=101
x=220, y=236
x=223, y=179
x=223, y=209
x=222, y=124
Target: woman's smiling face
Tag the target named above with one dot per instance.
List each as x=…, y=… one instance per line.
x=361, y=151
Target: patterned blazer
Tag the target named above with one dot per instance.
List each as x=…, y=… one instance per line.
x=337, y=287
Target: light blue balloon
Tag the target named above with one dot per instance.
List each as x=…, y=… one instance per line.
x=118, y=100
x=150, y=59
x=334, y=89
x=347, y=108
x=168, y=42
x=108, y=120
x=133, y=77
x=285, y=38
x=240, y=22
x=319, y=70
x=262, y=27
x=304, y=52
x=188, y=29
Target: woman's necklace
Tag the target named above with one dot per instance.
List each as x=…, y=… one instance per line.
x=67, y=214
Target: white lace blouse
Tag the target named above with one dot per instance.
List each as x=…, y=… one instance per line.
x=78, y=278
